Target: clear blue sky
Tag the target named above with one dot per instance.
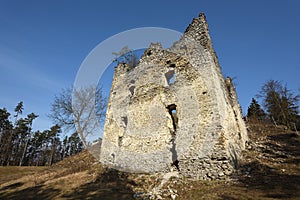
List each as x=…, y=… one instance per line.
x=43, y=43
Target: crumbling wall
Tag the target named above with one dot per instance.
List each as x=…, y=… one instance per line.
x=174, y=111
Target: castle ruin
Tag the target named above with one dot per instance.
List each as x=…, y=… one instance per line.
x=175, y=111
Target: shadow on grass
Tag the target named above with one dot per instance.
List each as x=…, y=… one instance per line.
x=227, y=197
x=110, y=185
x=273, y=184
x=275, y=176
x=31, y=193
x=289, y=143
x=12, y=186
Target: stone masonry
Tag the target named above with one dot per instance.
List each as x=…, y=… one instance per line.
x=175, y=111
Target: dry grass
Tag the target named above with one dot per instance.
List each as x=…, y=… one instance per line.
x=269, y=170
x=77, y=177
x=13, y=172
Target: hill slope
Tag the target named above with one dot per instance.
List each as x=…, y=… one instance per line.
x=270, y=170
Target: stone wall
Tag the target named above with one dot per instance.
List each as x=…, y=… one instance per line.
x=175, y=111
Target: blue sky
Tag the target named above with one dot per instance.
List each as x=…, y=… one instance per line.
x=43, y=43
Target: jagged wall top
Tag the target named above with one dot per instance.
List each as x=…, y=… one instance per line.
x=199, y=30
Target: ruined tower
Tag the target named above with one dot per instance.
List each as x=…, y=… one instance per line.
x=175, y=111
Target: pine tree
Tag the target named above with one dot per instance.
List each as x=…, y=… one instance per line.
x=280, y=103
x=255, y=113
x=27, y=134
x=5, y=135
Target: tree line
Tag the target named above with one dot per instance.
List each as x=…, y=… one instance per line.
x=280, y=106
x=21, y=146
x=76, y=111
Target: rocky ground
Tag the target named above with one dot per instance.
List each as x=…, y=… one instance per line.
x=269, y=170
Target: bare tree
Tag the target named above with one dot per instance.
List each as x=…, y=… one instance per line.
x=82, y=109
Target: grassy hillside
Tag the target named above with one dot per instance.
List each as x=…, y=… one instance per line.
x=269, y=170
